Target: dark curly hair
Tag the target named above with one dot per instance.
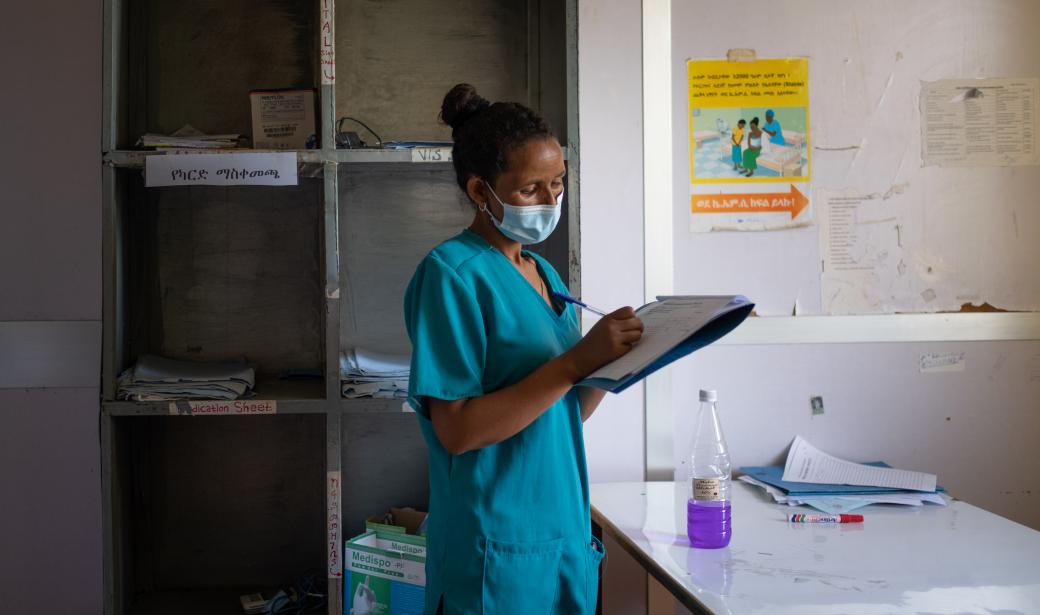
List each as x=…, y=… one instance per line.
x=485, y=133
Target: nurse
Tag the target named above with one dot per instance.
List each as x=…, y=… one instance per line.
x=495, y=360
x=773, y=129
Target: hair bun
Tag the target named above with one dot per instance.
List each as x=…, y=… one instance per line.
x=460, y=104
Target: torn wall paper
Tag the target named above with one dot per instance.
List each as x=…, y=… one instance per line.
x=980, y=122
x=860, y=248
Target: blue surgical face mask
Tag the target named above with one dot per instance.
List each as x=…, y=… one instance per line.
x=527, y=224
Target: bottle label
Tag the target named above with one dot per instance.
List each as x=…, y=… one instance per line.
x=707, y=489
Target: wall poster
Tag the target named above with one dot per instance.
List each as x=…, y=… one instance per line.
x=749, y=144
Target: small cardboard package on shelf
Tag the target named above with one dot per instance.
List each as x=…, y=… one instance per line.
x=283, y=119
x=407, y=520
x=385, y=573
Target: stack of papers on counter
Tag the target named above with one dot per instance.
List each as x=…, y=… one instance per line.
x=161, y=379
x=835, y=486
x=366, y=373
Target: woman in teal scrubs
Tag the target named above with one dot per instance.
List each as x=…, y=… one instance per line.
x=495, y=360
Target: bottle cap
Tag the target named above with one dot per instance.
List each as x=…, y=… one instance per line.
x=709, y=395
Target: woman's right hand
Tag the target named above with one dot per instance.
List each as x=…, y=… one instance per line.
x=610, y=338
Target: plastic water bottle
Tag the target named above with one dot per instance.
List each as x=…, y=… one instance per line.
x=708, y=510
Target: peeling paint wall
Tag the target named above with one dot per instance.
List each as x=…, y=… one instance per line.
x=968, y=235
x=965, y=235
x=973, y=419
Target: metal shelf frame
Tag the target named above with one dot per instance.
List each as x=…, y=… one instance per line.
x=319, y=398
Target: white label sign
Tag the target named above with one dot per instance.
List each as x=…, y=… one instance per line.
x=431, y=154
x=942, y=362
x=328, y=42
x=223, y=408
x=707, y=489
x=245, y=169
x=335, y=546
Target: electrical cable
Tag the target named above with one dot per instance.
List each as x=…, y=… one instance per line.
x=308, y=593
x=339, y=125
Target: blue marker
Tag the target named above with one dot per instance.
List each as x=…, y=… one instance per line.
x=579, y=303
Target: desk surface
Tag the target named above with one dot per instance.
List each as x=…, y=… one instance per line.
x=931, y=559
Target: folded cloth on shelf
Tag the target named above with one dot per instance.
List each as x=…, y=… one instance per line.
x=159, y=379
x=367, y=373
x=385, y=389
x=361, y=362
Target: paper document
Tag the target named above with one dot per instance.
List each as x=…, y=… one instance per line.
x=673, y=327
x=808, y=464
x=864, y=264
x=980, y=122
x=664, y=323
x=835, y=504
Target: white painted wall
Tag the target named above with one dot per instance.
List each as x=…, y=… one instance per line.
x=610, y=120
x=611, y=137
x=976, y=429
x=967, y=232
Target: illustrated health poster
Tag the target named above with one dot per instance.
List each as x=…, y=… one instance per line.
x=749, y=144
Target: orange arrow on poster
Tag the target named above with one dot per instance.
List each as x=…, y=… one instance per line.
x=754, y=202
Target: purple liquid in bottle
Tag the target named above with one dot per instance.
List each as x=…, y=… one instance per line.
x=707, y=510
x=708, y=523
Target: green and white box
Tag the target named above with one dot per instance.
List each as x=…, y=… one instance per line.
x=384, y=574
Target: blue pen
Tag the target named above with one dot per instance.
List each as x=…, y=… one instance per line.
x=578, y=302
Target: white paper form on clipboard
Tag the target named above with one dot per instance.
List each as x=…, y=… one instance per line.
x=673, y=327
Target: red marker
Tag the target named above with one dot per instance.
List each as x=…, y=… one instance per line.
x=825, y=518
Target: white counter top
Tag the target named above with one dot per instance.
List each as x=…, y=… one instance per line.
x=931, y=559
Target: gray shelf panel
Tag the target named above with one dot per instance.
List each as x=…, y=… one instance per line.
x=392, y=156
x=423, y=206
x=285, y=406
x=384, y=464
x=162, y=408
x=177, y=63
x=134, y=159
x=367, y=405
x=207, y=273
x=293, y=397
x=310, y=160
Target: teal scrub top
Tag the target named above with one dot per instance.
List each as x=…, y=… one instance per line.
x=774, y=126
x=509, y=525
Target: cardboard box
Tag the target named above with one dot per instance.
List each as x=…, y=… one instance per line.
x=283, y=119
x=406, y=520
x=384, y=573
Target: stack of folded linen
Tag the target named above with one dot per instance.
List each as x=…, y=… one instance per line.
x=160, y=379
x=374, y=374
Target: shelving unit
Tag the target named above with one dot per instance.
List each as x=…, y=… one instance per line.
x=201, y=509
